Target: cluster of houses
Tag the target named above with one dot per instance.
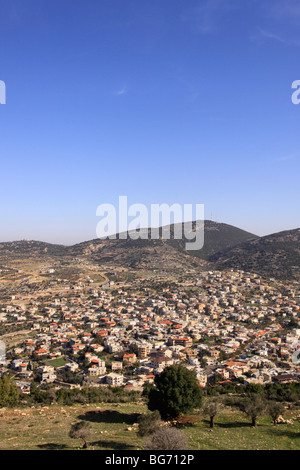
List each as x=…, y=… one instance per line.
x=226, y=326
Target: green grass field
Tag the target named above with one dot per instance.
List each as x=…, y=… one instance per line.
x=113, y=429
x=59, y=362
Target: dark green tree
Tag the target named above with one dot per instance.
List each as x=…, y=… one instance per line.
x=9, y=392
x=253, y=388
x=176, y=391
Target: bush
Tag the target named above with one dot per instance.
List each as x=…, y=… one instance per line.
x=149, y=423
x=166, y=439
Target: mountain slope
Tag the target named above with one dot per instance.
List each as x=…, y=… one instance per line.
x=217, y=237
x=225, y=247
x=276, y=255
x=157, y=254
x=29, y=249
x=132, y=253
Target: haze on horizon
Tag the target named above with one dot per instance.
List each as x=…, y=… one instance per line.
x=163, y=101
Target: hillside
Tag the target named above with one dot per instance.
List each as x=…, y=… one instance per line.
x=29, y=249
x=225, y=247
x=276, y=255
x=113, y=428
x=217, y=237
x=160, y=255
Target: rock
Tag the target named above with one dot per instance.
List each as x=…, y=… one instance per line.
x=281, y=420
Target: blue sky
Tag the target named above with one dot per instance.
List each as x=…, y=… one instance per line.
x=169, y=101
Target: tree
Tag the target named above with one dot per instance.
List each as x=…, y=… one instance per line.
x=275, y=410
x=175, y=391
x=149, y=423
x=254, y=407
x=166, y=439
x=146, y=389
x=9, y=392
x=80, y=430
x=211, y=409
x=251, y=389
x=46, y=395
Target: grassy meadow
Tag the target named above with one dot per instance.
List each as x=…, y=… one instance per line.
x=114, y=428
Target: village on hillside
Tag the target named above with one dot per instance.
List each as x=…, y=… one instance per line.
x=230, y=327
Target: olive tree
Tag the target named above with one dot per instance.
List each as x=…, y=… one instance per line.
x=275, y=409
x=254, y=407
x=211, y=409
x=80, y=430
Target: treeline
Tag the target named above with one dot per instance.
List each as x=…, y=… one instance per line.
x=287, y=392
x=86, y=395
x=11, y=397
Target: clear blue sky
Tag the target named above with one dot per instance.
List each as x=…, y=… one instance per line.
x=165, y=101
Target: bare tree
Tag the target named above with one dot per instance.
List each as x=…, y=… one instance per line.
x=166, y=439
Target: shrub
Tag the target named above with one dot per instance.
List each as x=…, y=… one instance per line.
x=149, y=423
x=166, y=439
